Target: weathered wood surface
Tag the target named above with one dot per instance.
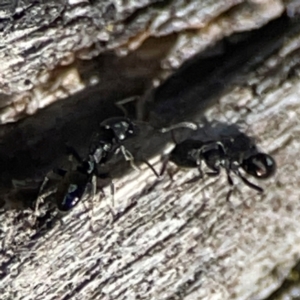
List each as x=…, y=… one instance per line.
x=170, y=240
x=43, y=43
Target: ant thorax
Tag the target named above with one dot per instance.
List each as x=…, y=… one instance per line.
x=120, y=128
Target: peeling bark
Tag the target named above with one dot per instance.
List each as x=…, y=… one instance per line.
x=43, y=42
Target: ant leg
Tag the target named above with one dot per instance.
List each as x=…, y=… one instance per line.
x=112, y=192
x=199, y=165
x=89, y=205
x=188, y=125
x=40, y=197
x=198, y=177
x=99, y=186
x=120, y=104
x=129, y=157
x=250, y=184
x=18, y=183
x=230, y=182
x=213, y=173
x=229, y=195
x=221, y=146
x=42, y=193
x=104, y=177
x=193, y=180
x=151, y=167
x=93, y=186
x=42, y=187
x=165, y=160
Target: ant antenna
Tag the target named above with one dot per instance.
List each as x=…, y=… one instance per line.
x=120, y=104
x=189, y=125
x=247, y=182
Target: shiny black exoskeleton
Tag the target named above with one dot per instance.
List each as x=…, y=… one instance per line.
x=73, y=185
x=77, y=183
x=109, y=140
x=231, y=154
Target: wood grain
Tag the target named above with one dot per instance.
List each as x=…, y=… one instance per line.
x=170, y=240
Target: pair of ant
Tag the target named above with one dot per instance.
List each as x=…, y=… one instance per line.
x=231, y=153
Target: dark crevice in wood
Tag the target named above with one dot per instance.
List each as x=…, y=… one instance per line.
x=199, y=82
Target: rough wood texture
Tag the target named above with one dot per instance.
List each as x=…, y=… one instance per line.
x=168, y=240
x=42, y=43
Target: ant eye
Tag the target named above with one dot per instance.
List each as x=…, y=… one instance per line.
x=260, y=165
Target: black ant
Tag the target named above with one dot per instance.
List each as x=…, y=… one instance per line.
x=229, y=153
x=76, y=183
x=109, y=140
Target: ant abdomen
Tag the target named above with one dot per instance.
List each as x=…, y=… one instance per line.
x=71, y=198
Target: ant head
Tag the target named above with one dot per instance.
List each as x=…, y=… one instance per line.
x=71, y=198
x=122, y=127
x=259, y=165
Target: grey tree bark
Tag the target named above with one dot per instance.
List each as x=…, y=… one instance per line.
x=167, y=239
